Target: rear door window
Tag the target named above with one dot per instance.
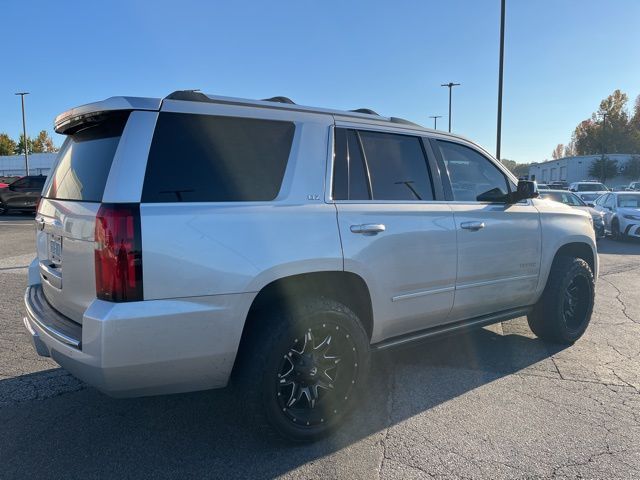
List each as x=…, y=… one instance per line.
x=206, y=158
x=349, y=176
x=84, y=161
x=397, y=166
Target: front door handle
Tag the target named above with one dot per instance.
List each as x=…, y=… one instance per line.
x=368, y=228
x=473, y=226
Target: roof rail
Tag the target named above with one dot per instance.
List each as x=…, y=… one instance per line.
x=403, y=121
x=368, y=111
x=279, y=99
x=189, y=95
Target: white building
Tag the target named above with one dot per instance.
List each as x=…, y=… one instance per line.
x=575, y=169
x=39, y=164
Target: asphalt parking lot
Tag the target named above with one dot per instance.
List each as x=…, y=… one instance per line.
x=495, y=403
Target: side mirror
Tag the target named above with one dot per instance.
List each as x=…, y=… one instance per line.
x=526, y=189
x=590, y=204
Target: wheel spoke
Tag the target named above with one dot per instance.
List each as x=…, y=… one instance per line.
x=295, y=395
x=324, y=346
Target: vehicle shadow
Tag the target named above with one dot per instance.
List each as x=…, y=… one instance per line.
x=53, y=426
x=630, y=246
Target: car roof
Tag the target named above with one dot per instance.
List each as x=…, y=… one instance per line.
x=66, y=119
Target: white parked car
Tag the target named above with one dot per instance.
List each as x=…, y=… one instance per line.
x=621, y=211
x=186, y=241
x=588, y=191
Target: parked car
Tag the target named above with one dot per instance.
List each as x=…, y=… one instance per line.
x=276, y=246
x=571, y=199
x=621, y=213
x=634, y=186
x=588, y=190
x=6, y=181
x=22, y=194
x=543, y=186
x=559, y=185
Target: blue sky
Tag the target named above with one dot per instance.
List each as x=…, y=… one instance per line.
x=562, y=57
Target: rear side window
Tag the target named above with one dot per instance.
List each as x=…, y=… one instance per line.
x=84, y=161
x=205, y=158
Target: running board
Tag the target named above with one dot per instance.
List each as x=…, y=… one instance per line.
x=451, y=328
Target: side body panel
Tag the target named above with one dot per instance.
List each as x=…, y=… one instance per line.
x=198, y=249
x=499, y=264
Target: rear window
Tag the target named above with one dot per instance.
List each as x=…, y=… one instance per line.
x=591, y=187
x=205, y=158
x=83, y=163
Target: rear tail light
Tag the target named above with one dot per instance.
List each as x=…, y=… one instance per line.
x=118, y=253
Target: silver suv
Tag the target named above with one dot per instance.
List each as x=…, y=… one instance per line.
x=188, y=241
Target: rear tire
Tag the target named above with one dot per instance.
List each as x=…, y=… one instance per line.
x=563, y=312
x=301, y=366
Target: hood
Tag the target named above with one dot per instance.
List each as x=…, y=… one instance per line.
x=595, y=214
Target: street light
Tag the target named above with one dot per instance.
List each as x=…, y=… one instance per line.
x=24, y=134
x=435, y=120
x=450, y=85
x=500, y=74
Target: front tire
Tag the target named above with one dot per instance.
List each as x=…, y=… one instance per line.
x=301, y=367
x=563, y=312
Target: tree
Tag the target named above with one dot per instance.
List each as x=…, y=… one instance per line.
x=608, y=130
x=518, y=169
x=603, y=169
x=19, y=150
x=558, y=152
x=632, y=168
x=7, y=145
x=43, y=143
x=569, y=150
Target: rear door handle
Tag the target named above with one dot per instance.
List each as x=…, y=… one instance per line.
x=368, y=228
x=473, y=226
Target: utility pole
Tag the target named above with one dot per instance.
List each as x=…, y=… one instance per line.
x=602, y=166
x=435, y=120
x=450, y=85
x=500, y=75
x=24, y=134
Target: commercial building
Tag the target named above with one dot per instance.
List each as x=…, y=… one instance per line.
x=575, y=169
x=39, y=164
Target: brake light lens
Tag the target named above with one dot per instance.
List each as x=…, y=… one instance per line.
x=118, y=253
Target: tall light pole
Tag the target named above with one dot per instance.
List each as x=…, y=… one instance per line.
x=435, y=120
x=500, y=74
x=450, y=85
x=24, y=134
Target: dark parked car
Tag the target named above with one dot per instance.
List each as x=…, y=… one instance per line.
x=23, y=194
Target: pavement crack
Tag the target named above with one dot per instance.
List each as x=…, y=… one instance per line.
x=619, y=299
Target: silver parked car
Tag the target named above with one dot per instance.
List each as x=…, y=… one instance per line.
x=186, y=241
x=621, y=211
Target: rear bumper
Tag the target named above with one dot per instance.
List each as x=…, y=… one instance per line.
x=143, y=348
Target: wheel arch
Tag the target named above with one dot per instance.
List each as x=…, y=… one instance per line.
x=346, y=287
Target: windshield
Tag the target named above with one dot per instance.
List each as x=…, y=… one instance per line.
x=629, y=200
x=591, y=187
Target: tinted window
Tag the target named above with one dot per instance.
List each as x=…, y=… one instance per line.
x=204, y=158
x=84, y=161
x=397, y=166
x=591, y=187
x=473, y=177
x=349, y=177
x=629, y=201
